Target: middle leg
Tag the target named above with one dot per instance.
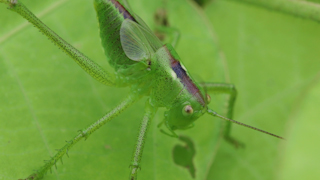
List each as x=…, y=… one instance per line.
x=230, y=89
x=145, y=123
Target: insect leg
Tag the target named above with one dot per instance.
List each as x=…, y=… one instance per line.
x=82, y=60
x=85, y=133
x=172, y=33
x=189, y=127
x=225, y=89
x=164, y=31
x=145, y=123
x=173, y=134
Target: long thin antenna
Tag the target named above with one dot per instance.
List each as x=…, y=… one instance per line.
x=211, y=112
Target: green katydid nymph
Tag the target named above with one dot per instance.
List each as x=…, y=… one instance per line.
x=149, y=67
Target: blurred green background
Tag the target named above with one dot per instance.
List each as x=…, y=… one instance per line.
x=271, y=57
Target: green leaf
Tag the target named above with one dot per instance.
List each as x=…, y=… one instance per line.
x=273, y=59
x=45, y=98
x=300, y=155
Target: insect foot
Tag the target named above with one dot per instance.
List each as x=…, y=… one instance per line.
x=236, y=143
x=11, y=3
x=32, y=177
x=134, y=170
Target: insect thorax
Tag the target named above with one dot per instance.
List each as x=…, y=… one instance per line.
x=171, y=82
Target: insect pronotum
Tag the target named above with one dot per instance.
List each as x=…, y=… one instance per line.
x=168, y=82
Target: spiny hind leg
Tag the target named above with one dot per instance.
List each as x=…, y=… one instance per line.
x=229, y=89
x=85, y=133
x=92, y=68
x=137, y=154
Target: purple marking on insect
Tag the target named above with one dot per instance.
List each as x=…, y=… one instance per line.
x=126, y=14
x=185, y=79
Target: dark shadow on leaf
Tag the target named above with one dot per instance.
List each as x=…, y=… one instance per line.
x=183, y=154
x=201, y=2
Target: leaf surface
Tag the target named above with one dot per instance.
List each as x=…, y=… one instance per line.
x=273, y=59
x=46, y=98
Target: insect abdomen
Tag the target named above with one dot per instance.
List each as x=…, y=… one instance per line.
x=110, y=15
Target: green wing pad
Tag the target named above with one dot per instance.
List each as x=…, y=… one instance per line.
x=133, y=41
x=138, y=42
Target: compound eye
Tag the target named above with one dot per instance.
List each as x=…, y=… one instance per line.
x=187, y=110
x=208, y=99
